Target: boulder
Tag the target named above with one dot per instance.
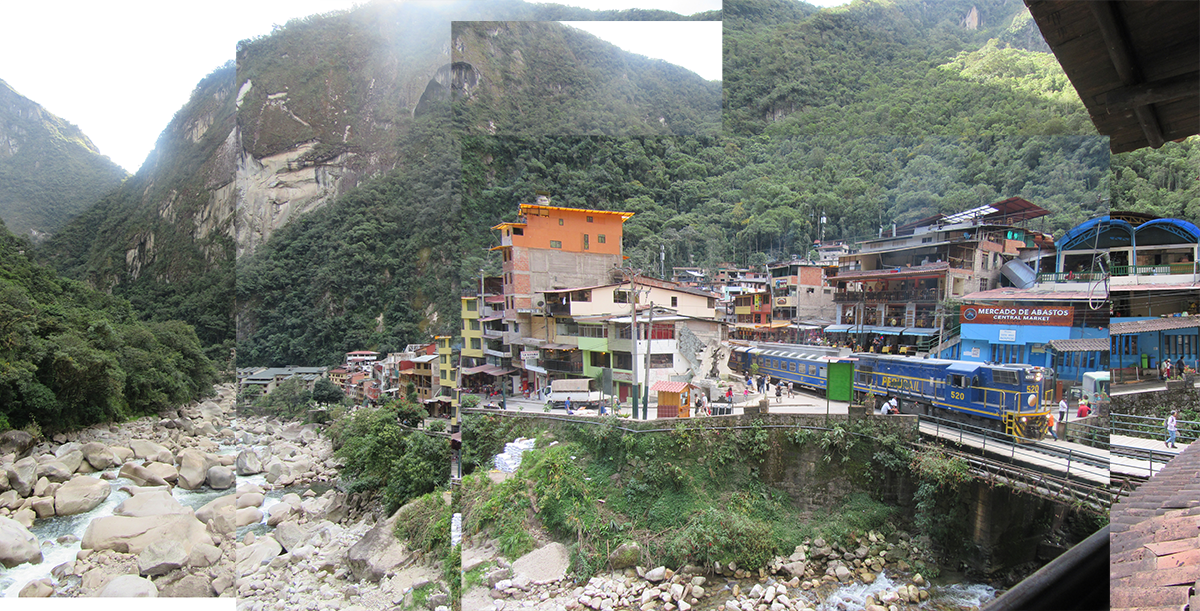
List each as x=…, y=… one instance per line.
x=40, y=488
x=279, y=513
x=165, y=472
x=16, y=442
x=55, y=471
x=656, y=574
x=122, y=454
x=626, y=555
x=24, y=516
x=193, y=469
x=188, y=586
x=291, y=535
x=72, y=460
x=248, y=463
x=547, y=564
x=163, y=556
x=149, y=503
x=9, y=499
x=378, y=552
x=98, y=455
x=210, y=509
x=132, y=535
x=141, y=475
x=17, y=544
x=249, y=499
x=220, y=478
x=22, y=475
x=254, y=556
x=150, y=451
x=80, y=494
x=204, y=555
x=38, y=588
x=248, y=515
x=129, y=586
x=43, y=506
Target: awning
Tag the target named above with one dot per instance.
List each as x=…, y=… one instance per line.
x=920, y=331
x=559, y=347
x=491, y=318
x=474, y=370
x=1090, y=344
x=805, y=327
x=838, y=328
x=963, y=367
x=888, y=330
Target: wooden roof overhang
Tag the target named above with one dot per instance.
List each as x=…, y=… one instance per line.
x=1134, y=63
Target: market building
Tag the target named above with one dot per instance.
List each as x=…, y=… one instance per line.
x=892, y=294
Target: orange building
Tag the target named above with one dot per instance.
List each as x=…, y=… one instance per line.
x=549, y=247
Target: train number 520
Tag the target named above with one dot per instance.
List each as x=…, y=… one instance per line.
x=958, y=395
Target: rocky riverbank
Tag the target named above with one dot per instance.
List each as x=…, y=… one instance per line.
x=199, y=503
x=802, y=581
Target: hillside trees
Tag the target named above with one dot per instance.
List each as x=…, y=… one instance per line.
x=71, y=356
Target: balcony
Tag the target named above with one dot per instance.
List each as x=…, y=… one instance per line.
x=928, y=295
x=493, y=333
x=1058, y=278
x=563, y=366
x=1154, y=270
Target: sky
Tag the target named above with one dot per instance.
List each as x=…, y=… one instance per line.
x=121, y=69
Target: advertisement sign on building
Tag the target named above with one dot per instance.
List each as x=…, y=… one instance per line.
x=1055, y=316
x=1008, y=335
x=528, y=354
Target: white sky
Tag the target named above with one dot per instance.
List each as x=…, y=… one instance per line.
x=121, y=69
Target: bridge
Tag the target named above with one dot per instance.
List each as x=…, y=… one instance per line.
x=1062, y=471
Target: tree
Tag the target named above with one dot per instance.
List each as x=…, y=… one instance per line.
x=287, y=399
x=325, y=391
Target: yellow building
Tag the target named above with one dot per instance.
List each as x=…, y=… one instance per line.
x=447, y=377
x=472, y=329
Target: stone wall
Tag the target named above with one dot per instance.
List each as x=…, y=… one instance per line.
x=1156, y=403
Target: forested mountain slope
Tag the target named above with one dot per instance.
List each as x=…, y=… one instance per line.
x=49, y=170
x=71, y=356
x=539, y=78
x=163, y=240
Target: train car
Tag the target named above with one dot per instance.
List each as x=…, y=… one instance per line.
x=1013, y=398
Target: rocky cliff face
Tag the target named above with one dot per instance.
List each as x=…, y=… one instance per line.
x=321, y=106
x=49, y=169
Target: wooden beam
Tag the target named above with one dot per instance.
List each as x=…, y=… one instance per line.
x=1121, y=53
x=1127, y=98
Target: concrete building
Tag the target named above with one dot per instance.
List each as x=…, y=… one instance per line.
x=891, y=292
x=801, y=302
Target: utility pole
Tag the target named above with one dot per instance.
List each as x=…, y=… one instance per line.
x=649, y=340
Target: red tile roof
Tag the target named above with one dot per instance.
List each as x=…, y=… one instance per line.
x=1155, y=538
x=665, y=386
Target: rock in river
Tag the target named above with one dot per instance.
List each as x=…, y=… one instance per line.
x=81, y=494
x=17, y=544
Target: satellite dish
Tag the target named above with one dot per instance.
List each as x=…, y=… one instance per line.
x=541, y=303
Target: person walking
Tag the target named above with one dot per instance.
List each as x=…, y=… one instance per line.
x=1050, y=426
x=1179, y=367
x=778, y=393
x=789, y=389
x=1062, y=409
x=1171, y=430
x=569, y=406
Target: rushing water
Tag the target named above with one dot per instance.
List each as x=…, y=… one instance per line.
x=49, y=530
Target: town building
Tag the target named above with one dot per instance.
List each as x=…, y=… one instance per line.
x=801, y=303
x=898, y=293
x=268, y=378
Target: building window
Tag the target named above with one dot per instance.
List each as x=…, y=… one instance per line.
x=662, y=361
x=600, y=238
x=586, y=245
x=555, y=243
x=620, y=296
x=589, y=219
x=674, y=302
x=471, y=305
x=622, y=360
x=560, y=222
x=474, y=325
x=518, y=231
x=598, y=359
x=475, y=343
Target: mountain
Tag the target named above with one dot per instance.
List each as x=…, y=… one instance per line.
x=164, y=239
x=71, y=356
x=535, y=78
x=49, y=170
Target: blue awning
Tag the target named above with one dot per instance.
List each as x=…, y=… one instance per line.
x=920, y=331
x=963, y=367
x=837, y=328
x=888, y=330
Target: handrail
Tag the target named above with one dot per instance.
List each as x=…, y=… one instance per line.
x=1152, y=427
x=1071, y=455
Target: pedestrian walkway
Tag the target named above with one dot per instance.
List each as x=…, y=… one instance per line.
x=802, y=402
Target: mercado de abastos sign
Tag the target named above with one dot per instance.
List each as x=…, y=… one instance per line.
x=1059, y=316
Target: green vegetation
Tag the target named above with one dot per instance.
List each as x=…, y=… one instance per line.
x=71, y=356
x=160, y=240
x=384, y=456
x=51, y=171
x=546, y=78
x=696, y=495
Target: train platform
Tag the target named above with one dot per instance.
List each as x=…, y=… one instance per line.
x=1140, y=456
x=801, y=402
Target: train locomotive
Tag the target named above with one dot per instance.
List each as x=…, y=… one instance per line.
x=1014, y=399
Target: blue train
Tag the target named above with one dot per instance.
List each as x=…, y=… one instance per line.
x=1012, y=398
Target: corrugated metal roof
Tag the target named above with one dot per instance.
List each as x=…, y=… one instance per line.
x=1158, y=324
x=1088, y=344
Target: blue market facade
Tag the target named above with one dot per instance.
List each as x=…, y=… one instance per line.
x=1030, y=344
